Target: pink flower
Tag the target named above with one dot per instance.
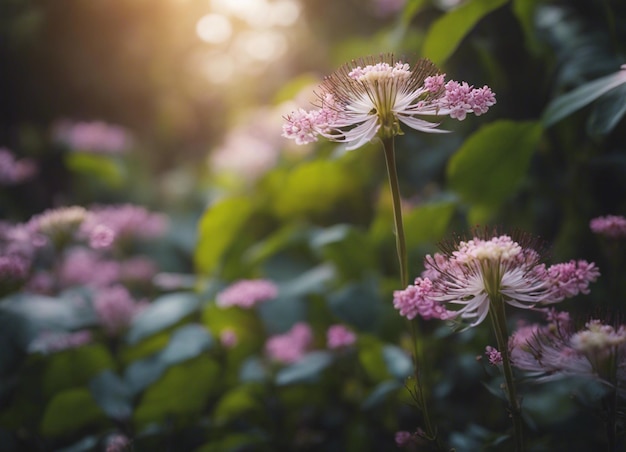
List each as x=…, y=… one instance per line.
x=494, y=356
x=338, y=336
x=228, y=338
x=404, y=438
x=290, y=347
x=94, y=137
x=125, y=222
x=612, y=226
x=115, y=308
x=472, y=273
x=247, y=293
x=374, y=96
x=14, y=171
x=83, y=266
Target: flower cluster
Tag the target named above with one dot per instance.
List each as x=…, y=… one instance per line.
x=611, y=226
x=338, y=336
x=557, y=350
x=370, y=97
x=94, y=137
x=14, y=171
x=291, y=346
x=473, y=273
x=115, y=308
x=247, y=293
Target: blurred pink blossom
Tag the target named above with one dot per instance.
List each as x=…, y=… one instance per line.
x=338, y=336
x=126, y=221
x=115, y=308
x=228, y=338
x=15, y=171
x=83, y=266
x=95, y=137
x=612, y=226
x=117, y=443
x=291, y=346
x=247, y=293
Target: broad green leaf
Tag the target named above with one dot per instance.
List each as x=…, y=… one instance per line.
x=162, y=313
x=493, y=161
x=75, y=367
x=411, y=8
x=100, y=167
x=607, y=112
x=218, y=229
x=525, y=11
x=313, y=188
x=70, y=411
x=236, y=403
x=112, y=395
x=428, y=223
x=282, y=312
x=568, y=103
x=371, y=358
x=306, y=370
x=380, y=393
x=398, y=362
x=186, y=343
x=358, y=304
x=311, y=281
x=347, y=248
x=181, y=394
x=447, y=32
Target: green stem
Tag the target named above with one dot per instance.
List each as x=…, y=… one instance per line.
x=498, y=319
x=390, y=159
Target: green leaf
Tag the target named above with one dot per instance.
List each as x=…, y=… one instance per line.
x=525, y=11
x=186, y=343
x=99, y=167
x=607, y=112
x=447, y=32
x=312, y=188
x=411, y=9
x=305, y=370
x=398, y=362
x=70, y=411
x=358, y=304
x=162, y=313
x=112, y=395
x=493, y=161
x=371, y=358
x=380, y=393
x=236, y=403
x=568, y=103
x=428, y=223
x=347, y=248
x=75, y=367
x=218, y=230
x=181, y=394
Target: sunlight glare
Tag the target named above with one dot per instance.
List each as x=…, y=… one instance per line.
x=214, y=28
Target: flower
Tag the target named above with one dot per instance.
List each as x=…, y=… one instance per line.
x=611, y=226
x=124, y=222
x=83, y=266
x=247, y=293
x=556, y=350
x=95, y=137
x=117, y=443
x=338, y=336
x=291, y=346
x=371, y=97
x=403, y=438
x=115, y=308
x=494, y=356
x=474, y=273
x=13, y=171
x=59, y=225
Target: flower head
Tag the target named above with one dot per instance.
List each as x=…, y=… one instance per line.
x=96, y=137
x=470, y=275
x=338, y=336
x=14, y=171
x=247, y=293
x=374, y=96
x=611, y=226
x=115, y=308
x=291, y=346
x=494, y=356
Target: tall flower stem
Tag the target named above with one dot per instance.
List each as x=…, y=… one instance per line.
x=498, y=319
x=390, y=159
